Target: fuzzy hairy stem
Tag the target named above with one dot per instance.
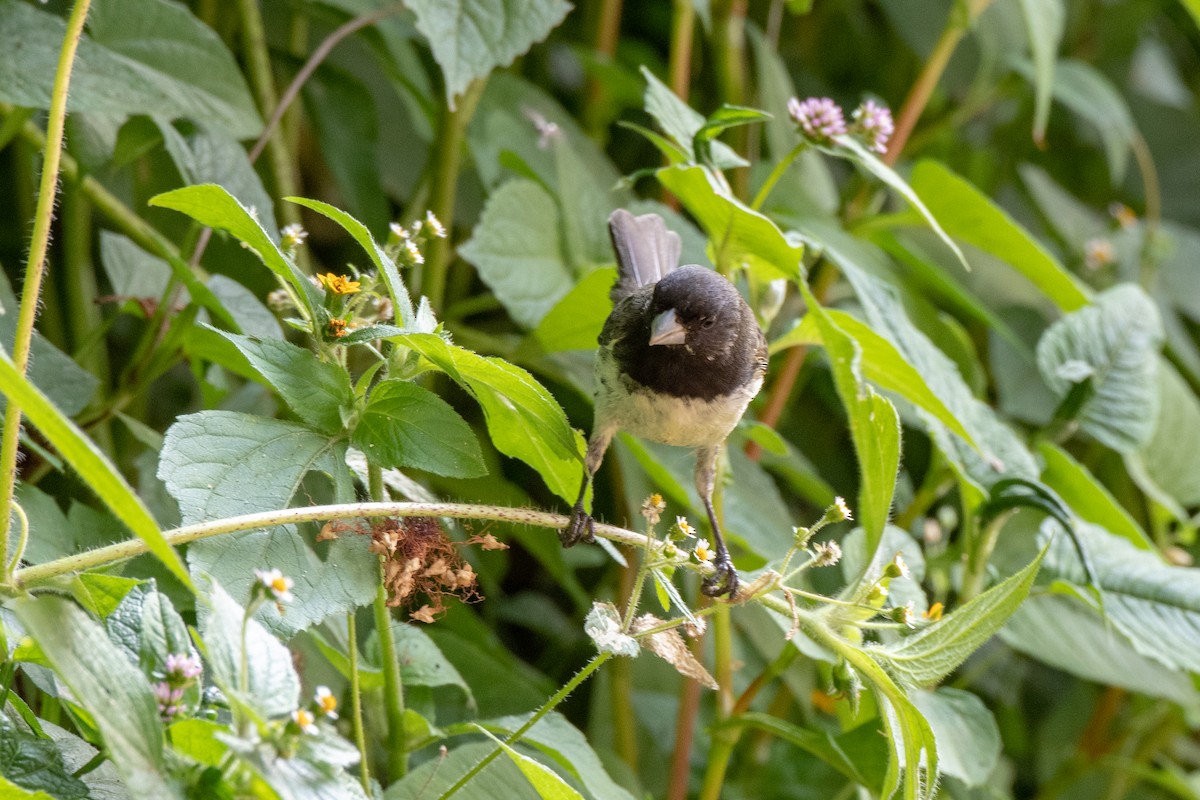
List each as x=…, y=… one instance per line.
x=35, y=266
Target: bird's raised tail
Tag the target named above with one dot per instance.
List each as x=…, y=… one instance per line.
x=646, y=250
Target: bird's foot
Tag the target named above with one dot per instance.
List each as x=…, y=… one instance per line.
x=724, y=579
x=581, y=528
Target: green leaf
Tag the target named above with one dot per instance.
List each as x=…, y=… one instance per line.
x=470, y=38
x=1114, y=343
x=523, y=419
x=1068, y=634
x=967, y=736
x=32, y=767
x=101, y=476
x=318, y=391
x=404, y=425
x=210, y=457
x=1044, y=22
x=140, y=57
x=874, y=424
x=387, y=268
x=101, y=594
x=547, y=783
x=517, y=252
x=1087, y=497
x=575, y=321
x=934, y=652
x=272, y=687
x=215, y=207
x=881, y=363
x=859, y=754
x=567, y=747
x=969, y=215
x=1171, y=456
x=741, y=236
x=107, y=685
x=681, y=123
x=862, y=156
x=500, y=779
x=1156, y=606
x=721, y=120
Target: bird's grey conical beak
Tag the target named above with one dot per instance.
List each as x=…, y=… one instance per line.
x=667, y=329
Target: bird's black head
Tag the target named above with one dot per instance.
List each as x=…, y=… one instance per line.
x=697, y=309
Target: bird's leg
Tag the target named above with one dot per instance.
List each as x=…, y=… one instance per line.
x=582, y=528
x=724, y=579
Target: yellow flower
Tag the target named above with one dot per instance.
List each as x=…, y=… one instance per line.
x=325, y=701
x=935, y=612
x=339, y=284
x=278, y=585
x=305, y=721
x=702, y=552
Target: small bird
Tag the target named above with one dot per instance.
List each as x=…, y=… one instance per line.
x=680, y=358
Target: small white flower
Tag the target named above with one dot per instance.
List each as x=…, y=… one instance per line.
x=325, y=701
x=305, y=720
x=435, y=225
x=702, y=552
x=278, y=585
x=826, y=554
x=842, y=508
x=398, y=230
x=414, y=252
x=293, y=235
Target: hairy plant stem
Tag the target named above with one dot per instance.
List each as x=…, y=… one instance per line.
x=980, y=545
x=451, y=136
x=393, y=685
x=35, y=266
x=778, y=172
x=726, y=738
x=546, y=708
x=258, y=64
x=679, y=64
x=685, y=726
x=356, y=708
x=729, y=54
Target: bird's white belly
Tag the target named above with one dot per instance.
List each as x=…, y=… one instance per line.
x=680, y=421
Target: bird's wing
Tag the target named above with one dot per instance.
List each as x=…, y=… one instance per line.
x=646, y=250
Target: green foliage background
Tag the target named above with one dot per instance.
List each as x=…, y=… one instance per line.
x=986, y=339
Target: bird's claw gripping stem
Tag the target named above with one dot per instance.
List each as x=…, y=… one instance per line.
x=581, y=528
x=724, y=579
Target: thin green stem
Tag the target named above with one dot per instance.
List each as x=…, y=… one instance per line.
x=979, y=553
x=549, y=706
x=22, y=541
x=356, y=708
x=778, y=172
x=725, y=739
x=452, y=131
x=258, y=64
x=35, y=266
x=393, y=684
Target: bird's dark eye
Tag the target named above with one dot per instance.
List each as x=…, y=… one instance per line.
x=708, y=322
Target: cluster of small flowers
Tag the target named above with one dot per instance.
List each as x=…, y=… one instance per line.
x=406, y=242
x=822, y=120
x=323, y=704
x=179, y=674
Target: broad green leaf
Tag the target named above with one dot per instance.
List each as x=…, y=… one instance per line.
x=967, y=214
x=585, y=204
x=681, y=123
x=882, y=364
x=1114, y=342
x=53, y=534
x=1087, y=497
x=404, y=425
x=523, y=419
x=967, y=736
x=139, y=57
x=101, y=594
x=548, y=785
x=215, y=207
x=934, y=652
x=210, y=457
x=101, y=476
x=213, y=156
x=874, y=424
x=385, y=265
x=318, y=391
x=107, y=685
x=198, y=739
x=1086, y=91
x=1044, y=21
x=515, y=248
x=1155, y=605
x=1171, y=457
x=470, y=38
x=500, y=779
x=562, y=742
x=32, y=767
x=861, y=155
x=1067, y=633
x=741, y=236
x=272, y=687
x=575, y=321
x=131, y=271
